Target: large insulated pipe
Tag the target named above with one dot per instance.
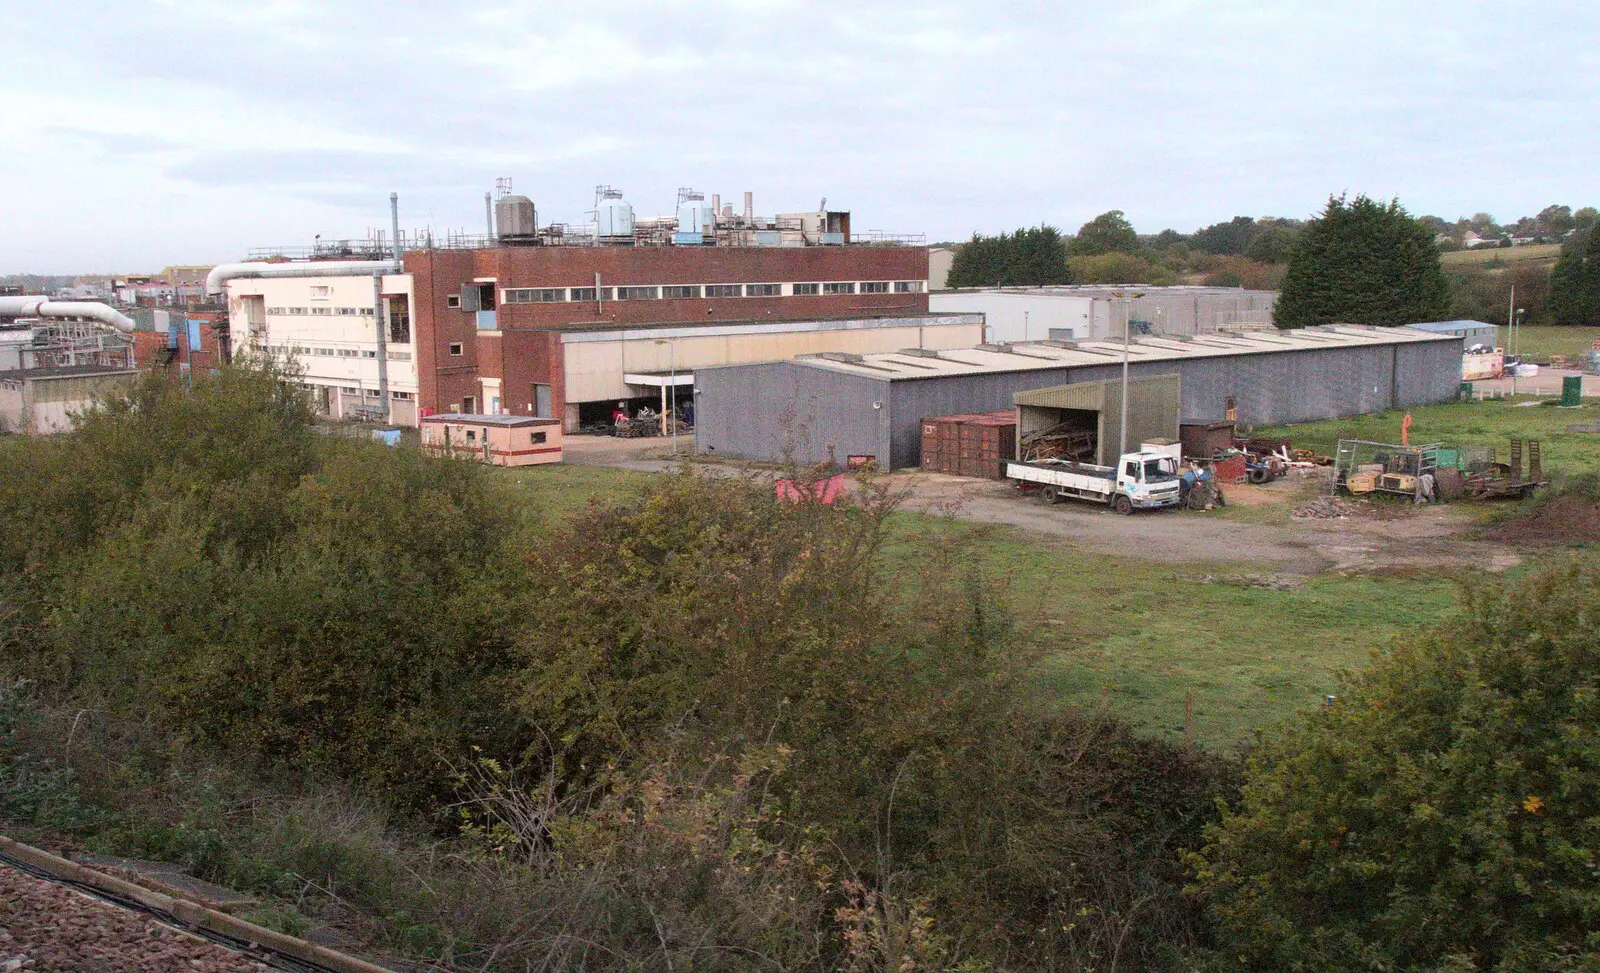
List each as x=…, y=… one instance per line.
x=44, y=307
x=220, y=275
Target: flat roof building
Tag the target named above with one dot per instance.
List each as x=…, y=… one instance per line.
x=831, y=407
x=548, y=329
x=1083, y=313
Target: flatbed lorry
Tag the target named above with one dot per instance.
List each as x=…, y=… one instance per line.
x=1139, y=481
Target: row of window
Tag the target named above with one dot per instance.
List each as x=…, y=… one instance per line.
x=323, y=311
x=373, y=393
x=341, y=352
x=680, y=292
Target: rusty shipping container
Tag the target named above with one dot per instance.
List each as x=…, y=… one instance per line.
x=976, y=444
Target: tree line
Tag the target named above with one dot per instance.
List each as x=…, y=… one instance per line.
x=1358, y=260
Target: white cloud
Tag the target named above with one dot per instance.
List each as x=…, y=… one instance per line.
x=184, y=131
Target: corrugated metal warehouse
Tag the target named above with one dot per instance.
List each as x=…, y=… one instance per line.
x=832, y=406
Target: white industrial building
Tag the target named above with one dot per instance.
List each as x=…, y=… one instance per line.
x=1086, y=313
x=327, y=327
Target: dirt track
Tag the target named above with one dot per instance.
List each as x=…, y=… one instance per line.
x=1404, y=539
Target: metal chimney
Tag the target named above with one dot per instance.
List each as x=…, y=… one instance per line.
x=488, y=217
x=749, y=207
x=394, y=221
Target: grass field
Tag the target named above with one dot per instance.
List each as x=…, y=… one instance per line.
x=1502, y=255
x=1538, y=344
x=1143, y=636
x=1139, y=635
x=1490, y=423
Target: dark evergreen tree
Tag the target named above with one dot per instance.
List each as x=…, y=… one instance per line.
x=1575, y=283
x=1363, y=262
x=1030, y=256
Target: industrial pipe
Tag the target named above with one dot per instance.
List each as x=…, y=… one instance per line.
x=220, y=275
x=44, y=307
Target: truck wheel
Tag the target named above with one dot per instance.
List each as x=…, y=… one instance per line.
x=1122, y=505
x=1259, y=476
x=1052, y=495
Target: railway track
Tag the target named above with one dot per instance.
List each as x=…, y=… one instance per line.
x=246, y=940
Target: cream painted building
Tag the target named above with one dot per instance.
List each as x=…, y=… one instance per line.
x=630, y=363
x=328, y=328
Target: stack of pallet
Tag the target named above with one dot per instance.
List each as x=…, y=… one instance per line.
x=1067, y=440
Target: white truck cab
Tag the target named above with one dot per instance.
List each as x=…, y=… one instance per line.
x=1139, y=481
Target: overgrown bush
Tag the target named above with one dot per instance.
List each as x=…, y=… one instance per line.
x=1442, y=813
x=750, y=749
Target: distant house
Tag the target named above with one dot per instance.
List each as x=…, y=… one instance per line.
x=1472, y=241
x=940, y=260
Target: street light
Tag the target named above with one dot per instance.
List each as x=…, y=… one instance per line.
x=1127, y=342
x=672, y=359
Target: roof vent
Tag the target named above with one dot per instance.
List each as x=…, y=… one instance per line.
x=919, y=352
x=1056, y=343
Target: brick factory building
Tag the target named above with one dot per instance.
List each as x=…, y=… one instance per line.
x=554, y=327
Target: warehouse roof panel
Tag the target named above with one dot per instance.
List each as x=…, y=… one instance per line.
x=1041, y=355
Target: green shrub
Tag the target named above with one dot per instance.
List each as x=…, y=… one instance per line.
x=1445, y=809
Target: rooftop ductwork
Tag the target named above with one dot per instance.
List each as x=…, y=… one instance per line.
x=220, y=275
x=44, y=307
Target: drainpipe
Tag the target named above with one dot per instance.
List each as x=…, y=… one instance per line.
x=34, y=306
x=383, y=345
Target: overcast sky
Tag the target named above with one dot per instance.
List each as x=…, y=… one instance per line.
x=147, y=133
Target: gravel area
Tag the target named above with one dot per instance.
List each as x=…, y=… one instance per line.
x=45, y=927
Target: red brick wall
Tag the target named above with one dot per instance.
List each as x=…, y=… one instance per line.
x=521, y=357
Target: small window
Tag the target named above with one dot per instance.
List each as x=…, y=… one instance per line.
x=763, y=290
x=839, y=288
x=472, y=435
x=402, y=396
x=637, y=293
x=455, y=349
x=908, y=287
x=1131, y=470
x=875, y=287
x=454, y=300
x=724, y=290
x=399, y=356
x=320, y=292
x=679, y=293
x=607, y=294
x=537, y=438
x=806, y=290
x=348, y=353
x=369, y=353
x=347, y=390
x=580, y=294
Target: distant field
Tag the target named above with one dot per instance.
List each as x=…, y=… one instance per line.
x=1490, y=423
x=1538, y=344
x=1504, y=255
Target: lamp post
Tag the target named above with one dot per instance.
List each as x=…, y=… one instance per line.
x=672, y=359
x=1127, y=342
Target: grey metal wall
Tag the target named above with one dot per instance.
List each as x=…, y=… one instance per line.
x=1305, y=385
x=761, y=411
x=913, y=400
x=787, y=412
